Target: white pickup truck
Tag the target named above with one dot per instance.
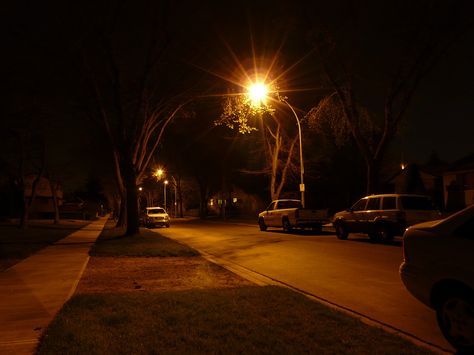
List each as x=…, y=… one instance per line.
x=289, y=214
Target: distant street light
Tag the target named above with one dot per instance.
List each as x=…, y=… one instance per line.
x=159, y=173
x=258, y=93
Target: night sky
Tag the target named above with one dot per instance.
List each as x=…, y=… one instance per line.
x=42, y=79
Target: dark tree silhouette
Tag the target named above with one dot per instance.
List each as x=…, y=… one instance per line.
x=278, y=148
x=406, y=42
x=130, y=59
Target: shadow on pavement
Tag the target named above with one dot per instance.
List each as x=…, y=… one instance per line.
x=305, y=232
x=359, y=238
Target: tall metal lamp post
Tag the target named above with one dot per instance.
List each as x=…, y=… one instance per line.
x=258, y=93
x=164, y=192
x=159, y=173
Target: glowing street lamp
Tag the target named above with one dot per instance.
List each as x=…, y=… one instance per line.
x=159, y=173
x=257, y=93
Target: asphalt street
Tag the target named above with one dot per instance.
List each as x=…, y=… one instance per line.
x=353, y=274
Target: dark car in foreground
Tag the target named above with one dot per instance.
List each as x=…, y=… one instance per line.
x=438, y=269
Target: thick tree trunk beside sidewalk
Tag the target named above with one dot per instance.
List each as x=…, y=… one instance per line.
x=131, y=202
x=53, y=187
x=27, y=203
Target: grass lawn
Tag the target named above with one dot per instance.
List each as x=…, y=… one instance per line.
x=17, y=244
x=201, y=320
x=245, y=320
x=112, y=243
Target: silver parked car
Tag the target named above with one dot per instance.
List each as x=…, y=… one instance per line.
x=438, y=269
x=384, y=216
x=156, y=216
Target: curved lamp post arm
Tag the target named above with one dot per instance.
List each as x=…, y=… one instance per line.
x=257, y=93
x=302, y=187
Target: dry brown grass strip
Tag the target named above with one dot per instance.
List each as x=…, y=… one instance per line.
x=138, y=274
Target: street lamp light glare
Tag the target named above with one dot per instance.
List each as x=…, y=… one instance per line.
x=258, y=93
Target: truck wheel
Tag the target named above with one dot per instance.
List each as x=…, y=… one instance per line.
x=286, y=225
x=341, y=231
x=262, y=225
x=384, y=233
x=374, y=237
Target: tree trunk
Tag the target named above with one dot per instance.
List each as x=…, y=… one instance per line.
x=122, y=211
x=274, y=192
x=53, y=188
x=202, y=199
x=24, y=213
x=373, y=181
x=132, y=209
x=130, y=182
x=27, y=204
x=180, y=198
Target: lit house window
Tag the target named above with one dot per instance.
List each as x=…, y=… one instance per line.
x=234, y=200
x=211, y=202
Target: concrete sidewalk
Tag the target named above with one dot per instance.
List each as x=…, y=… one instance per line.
x=34, y=290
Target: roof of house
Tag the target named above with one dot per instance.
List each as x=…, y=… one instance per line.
x=466, y=163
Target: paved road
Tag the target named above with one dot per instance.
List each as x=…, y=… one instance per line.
x=353, y=274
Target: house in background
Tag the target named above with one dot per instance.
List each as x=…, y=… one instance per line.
x=43, y=205
x=234, y=203
x=422, y=180
x=458, y=183
x=450, y=185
